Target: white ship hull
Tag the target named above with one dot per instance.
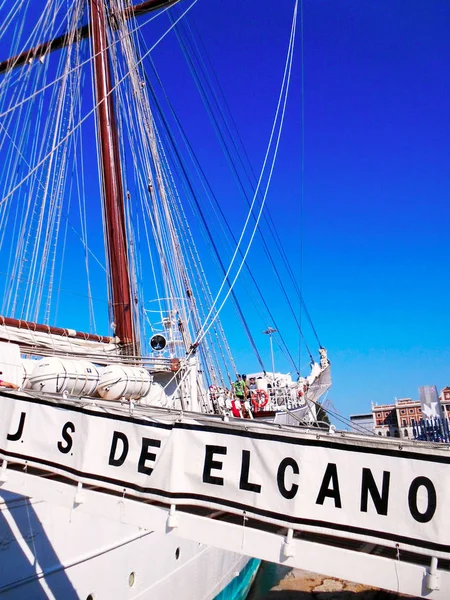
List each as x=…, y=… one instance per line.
x=48, y=551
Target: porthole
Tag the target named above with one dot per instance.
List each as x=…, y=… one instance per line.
x=131, y=578
x=90, y=597
x=177, y=553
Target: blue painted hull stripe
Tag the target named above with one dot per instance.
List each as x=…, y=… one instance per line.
x=240, y=586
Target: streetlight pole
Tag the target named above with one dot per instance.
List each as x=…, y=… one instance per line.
x=269, y=331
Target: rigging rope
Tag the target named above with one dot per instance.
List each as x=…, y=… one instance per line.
x=209, y=232
x=302, y=166
x=80, y=65
x=267, y=216
x=285, y=83
x=89, y=113
x=211, y=193
x=241, y=185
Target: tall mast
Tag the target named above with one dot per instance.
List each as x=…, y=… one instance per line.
x=109, y=151
x=112, y=181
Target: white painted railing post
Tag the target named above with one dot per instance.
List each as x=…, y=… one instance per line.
x=287, y=547
x=172, y=519
x=79, y=495
x=3, y=475
x=193, y=383
x=433, y=579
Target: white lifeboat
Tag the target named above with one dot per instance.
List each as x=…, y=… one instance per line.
x=120, y=381
x=156, y=396
x=28, y=365
x=61, y=375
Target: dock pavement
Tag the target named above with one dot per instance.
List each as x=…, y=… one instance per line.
x=304, y=585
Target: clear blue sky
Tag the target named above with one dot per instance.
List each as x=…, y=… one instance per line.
x=377, y=178
x=376, y=187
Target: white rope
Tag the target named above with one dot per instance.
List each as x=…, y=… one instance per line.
x=11, y=192
x=82, y=64
x=149, y=145
x=283, y=91
x=24, y=133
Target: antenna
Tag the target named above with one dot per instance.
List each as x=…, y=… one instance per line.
x=270, y=331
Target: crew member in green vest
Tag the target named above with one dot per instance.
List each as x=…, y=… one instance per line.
x=239, y=388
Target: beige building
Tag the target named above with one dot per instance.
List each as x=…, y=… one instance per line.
x=396, y=420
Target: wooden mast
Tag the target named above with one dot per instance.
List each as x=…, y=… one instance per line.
x=109, y=155
x=112, y=181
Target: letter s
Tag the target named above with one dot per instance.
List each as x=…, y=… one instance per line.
x=69, y=426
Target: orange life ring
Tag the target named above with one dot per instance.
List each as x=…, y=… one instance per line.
x=260, y=398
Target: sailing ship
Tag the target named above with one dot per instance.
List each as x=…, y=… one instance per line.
x=123, y=472
x=170, y=354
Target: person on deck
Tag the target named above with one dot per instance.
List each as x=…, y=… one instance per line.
x=246, y=390
x=239, y=388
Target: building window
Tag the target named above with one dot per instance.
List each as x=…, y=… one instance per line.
x=388, y=434
x=402, y=412
x=405, y=433
x=403, y=422
x=411, y=411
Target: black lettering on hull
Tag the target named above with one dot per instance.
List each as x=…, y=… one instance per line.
x=118, y=461
x=14, y=437
x=368, y=485
x=211, y=464
x=331, y=476
x=281, y=474
x=244, y=483
x=422, y=517
x=146, y=455
x=68, y=427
